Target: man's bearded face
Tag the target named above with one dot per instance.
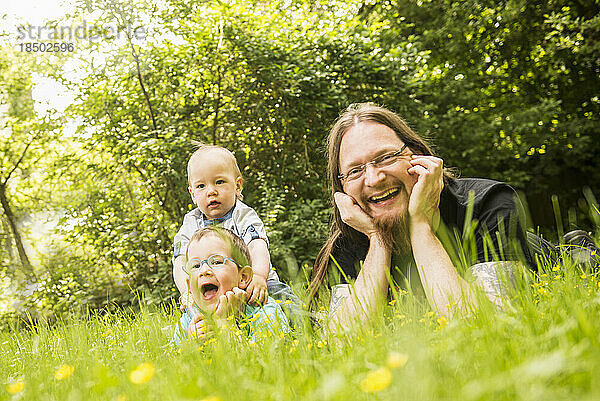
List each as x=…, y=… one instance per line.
x=382, y=192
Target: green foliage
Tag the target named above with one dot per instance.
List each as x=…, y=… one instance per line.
x=507, y=90
x=70, y=284
x=25, y=148
x=295, y=230
x=263, y=87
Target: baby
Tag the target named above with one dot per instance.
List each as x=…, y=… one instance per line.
x=218, y=275
x=215, y=184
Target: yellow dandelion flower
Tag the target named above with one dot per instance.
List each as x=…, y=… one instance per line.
x=392, y=302
x=309, y=346
x=212, y=398
x=450, y=305
x=142, y=373
x=442, y=321
x=278, y=301
x=396, y=360
x=557, y=277
x=583, y=276
x=544, y=275
x=556, y=268
x=288, y=301
x=593, y=252
x=542, y=290
x=16, y=387
x=63, y=372
x=320, y=344
x=376, y=380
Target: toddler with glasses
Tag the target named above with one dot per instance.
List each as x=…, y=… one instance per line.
x=218, y=276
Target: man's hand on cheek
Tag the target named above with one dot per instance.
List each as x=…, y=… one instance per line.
x=425, y=196
x=353, y=215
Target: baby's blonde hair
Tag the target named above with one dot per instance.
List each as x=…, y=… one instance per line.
x=203, y=148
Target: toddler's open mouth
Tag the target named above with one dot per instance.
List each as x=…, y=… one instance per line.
x=208, y=291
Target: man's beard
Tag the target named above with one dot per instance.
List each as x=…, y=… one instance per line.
x=395, y=234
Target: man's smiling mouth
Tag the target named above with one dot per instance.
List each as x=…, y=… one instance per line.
x=390, y=193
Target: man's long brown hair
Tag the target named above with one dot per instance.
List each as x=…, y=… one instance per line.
x=354, y=115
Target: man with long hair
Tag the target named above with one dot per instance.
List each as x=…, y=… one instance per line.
x=393, y=202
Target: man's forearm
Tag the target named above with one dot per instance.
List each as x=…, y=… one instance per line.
x=369, y=290
x=441, y=282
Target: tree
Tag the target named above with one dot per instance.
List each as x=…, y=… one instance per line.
x=22, y=137
x=507, y=90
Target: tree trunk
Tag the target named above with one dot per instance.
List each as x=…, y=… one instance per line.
x=27, y=268
x=6, y=241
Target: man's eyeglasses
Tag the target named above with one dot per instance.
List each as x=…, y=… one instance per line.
x=215, y=262
x=381, y=161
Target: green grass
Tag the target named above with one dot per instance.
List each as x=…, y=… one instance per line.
x=546, y=346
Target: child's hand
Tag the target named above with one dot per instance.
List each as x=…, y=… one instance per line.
x=258, y=290
x=199, y=328
x=231, y=303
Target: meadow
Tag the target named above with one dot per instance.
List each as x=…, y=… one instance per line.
x=544, y=346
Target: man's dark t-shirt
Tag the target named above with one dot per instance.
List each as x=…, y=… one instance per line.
x=479, y=223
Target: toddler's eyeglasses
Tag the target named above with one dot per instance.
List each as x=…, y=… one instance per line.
x=382, y=161
x=214, y=261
